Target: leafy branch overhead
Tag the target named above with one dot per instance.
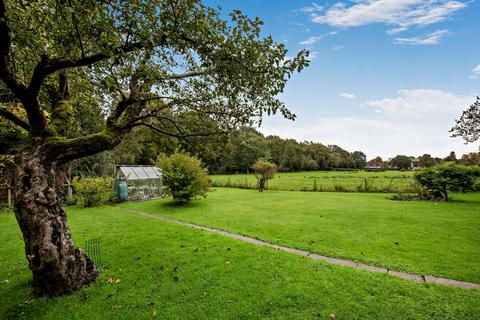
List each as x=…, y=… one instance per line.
x=147, y=62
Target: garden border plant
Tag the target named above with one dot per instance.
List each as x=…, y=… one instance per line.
x=184, y=176
x=447, y=177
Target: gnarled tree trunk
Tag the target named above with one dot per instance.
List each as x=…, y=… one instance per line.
x=58, y=267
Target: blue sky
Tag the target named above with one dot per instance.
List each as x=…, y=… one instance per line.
x=387, y=76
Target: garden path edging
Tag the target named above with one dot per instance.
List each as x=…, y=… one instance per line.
x=315, y=256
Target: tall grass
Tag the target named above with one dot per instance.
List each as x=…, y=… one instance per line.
x=339, y=184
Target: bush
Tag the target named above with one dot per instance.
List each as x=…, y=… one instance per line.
x=264, y=171
x=439, y=180
x=92, y=191
x=184, y=177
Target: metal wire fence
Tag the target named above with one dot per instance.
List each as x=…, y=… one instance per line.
x=93, y=250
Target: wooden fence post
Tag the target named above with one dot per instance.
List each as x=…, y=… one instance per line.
x=9, y=196
x=69, y=193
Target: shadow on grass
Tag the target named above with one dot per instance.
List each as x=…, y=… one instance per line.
x=197, y=203
x=20, y=299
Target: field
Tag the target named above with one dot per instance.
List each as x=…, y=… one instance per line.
x=162, y=271
x=433, y=238
x=351, y=181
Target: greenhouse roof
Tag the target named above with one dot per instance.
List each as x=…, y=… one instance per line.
x=139, y=172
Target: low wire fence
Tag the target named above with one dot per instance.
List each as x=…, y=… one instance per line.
x=380, y=185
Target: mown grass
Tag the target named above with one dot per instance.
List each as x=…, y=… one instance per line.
x=164, y=271
x=422, y=237
x=340, y=181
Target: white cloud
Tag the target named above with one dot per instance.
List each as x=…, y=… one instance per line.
x=401, y=14
x=396, y=30
x=313, y=55
x=347, y=95
x=423, y=104
x=413, y=122
x=312, y=40
x=337, y=47
x=314, y=8
x=475, y=72
x=429, y=39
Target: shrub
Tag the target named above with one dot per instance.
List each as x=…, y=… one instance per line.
x=92, y=191
x=264, y=171
x=439, y=180
x=184, y=177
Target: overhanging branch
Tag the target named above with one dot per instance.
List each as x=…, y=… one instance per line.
x=48, y=66
x=187, y=135
x=187, y=75
x=10, y=116
x=7, y=75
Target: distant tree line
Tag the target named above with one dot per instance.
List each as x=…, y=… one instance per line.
x=239, y=150
x=236, y=151
x=224, y=153
x=402, y=162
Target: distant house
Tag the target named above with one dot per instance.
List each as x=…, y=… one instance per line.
x=142, y=182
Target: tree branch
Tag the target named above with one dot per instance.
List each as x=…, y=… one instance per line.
x=10, y=116
x=195, y=134
x=65, y=150
x=36, y=118
x=48, y=66
x=187, y=75
x=6, y=71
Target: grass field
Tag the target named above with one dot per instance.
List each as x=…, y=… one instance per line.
x=423, y=237
x=164, y=271
x=351, y=181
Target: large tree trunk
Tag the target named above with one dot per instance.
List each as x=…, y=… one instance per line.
x=58, y=267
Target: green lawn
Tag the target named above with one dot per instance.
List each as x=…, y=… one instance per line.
x=165, y=271
x=432, y=238
x=386, y=181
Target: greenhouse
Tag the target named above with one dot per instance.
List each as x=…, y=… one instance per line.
x=138, y=182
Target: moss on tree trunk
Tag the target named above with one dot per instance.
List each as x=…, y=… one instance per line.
x=57, y=265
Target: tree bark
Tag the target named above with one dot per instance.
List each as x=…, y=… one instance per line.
x=58, y=267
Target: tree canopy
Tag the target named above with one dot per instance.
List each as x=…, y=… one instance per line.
x=145, y=63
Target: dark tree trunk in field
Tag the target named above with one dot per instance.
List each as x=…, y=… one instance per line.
x=261, y=184
x=58, y=267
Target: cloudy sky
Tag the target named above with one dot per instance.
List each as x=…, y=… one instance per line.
x=387, y=76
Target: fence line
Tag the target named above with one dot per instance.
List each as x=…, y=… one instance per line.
x=7, y=196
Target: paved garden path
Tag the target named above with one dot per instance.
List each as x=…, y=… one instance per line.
x=314, y=256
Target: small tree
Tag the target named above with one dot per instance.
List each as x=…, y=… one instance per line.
x=264, y=171
x=452, y=157
x=468, y=126
x=447, y=177
x=401, y=162
x=471, y=159
x=184, y=176
x=376, y=162
x=426, y=161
